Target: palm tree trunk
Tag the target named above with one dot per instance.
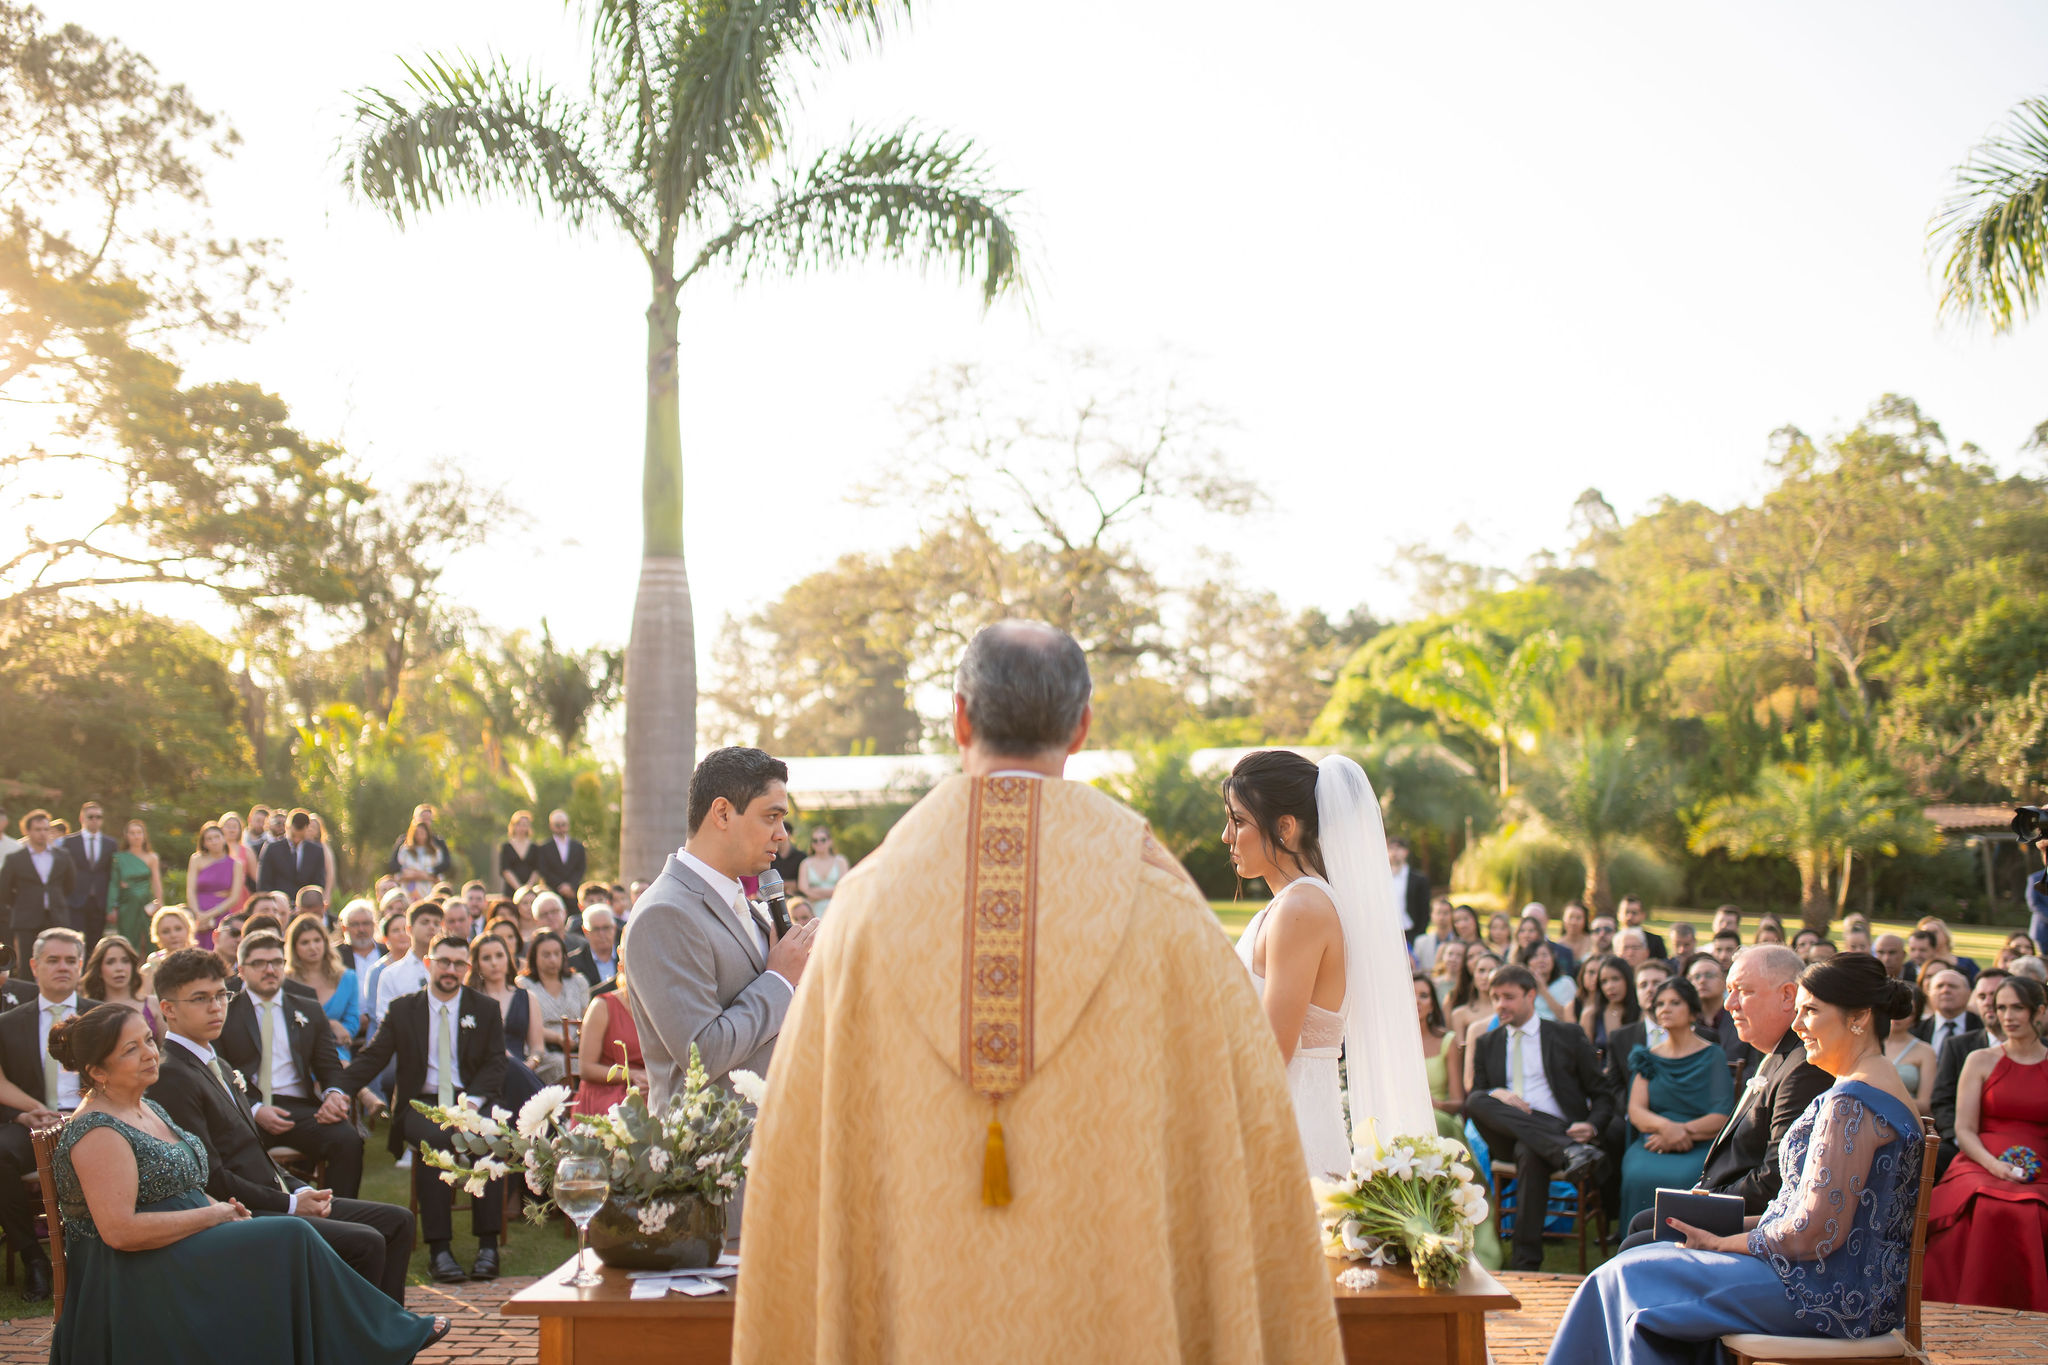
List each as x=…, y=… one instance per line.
x=1813, y=891
x=1842, y=891
x=661, y=657
x=1599, y=890
x=1503, y=762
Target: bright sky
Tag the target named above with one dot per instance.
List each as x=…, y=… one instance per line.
x=1443, y=264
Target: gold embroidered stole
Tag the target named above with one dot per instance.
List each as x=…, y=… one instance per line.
x=997, y=947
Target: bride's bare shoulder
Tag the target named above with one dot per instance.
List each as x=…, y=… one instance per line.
x=1304, y=901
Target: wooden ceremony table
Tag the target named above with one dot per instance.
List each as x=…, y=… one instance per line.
x=1396, y=1322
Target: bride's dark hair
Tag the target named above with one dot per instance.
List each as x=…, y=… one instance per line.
x=1271, y=783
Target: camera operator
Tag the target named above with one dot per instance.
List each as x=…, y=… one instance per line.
x=2037, y=898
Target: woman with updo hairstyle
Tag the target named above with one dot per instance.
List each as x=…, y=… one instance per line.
x=1829, y=1257
x=147, y=1250
x=1987, y=1227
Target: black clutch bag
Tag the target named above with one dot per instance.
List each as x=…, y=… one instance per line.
x=1720, y=1214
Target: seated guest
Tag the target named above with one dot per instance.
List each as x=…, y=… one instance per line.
x=1602, y=930
x=1555, y=991
x=1679, y=1097
x=1632, y=946
x=490, y=973
x=1824, y=1259
x=37, y=1076
x=2017, y=945
x=1948, y=1065
x=1725, y=945
x=150, y=1255
x=557, y=993
x=1923, y=956
x=171, y=930
x=1945, y=946
x=1447, y=965
x=506, y=927
x=1710, y=979
x=597, y=961
x=1728, y=919
x=285, y=1051
x=227, y=939
x=1621, y=1045
x=1855, y=940
x=1465, y=925
x=1949, y=1013
x=1613, y=1008
x=316, y=964
x=1685, y=941
x=1769, y=930
x=448, y=1041
x=609, y=1039
x=1476, y=1018
x=210, y=1100
x=1538, y=1099
x=408, y=975
x=113, y=976
x=1987, y=1227
x=396, y=939
x=1763, y=990
x=1424, y=948
x=1913, y=1059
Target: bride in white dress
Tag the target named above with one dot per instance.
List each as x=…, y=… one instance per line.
x=1327, y=953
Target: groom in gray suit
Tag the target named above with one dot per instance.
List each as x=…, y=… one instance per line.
x=703, y=963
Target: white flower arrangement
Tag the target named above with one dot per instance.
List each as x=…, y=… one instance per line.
x=1413, y=1199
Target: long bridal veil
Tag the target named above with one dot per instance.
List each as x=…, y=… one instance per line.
x=1386, y=1080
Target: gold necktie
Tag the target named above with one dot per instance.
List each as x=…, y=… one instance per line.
x=51, y=1071
x=444, y=1058
x=268, y=1032
x=1515, y=1061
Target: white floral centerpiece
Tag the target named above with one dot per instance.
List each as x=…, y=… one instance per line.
x=1413, y=1199
x=672, y=1170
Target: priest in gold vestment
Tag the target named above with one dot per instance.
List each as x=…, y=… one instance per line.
x=1025, y=1109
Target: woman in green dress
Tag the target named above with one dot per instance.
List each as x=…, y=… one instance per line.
x=136, y=888
x=1442, y=1061
x=147, y=1252
x=1680, y=1096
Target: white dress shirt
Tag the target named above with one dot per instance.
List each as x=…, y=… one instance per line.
x=402, y=977
x=1945, y=1028
x=43, y=861
x=8, y=843
x=92, y=847
x=284, y=1068
x=727, y=892
x=1535, y=1084
x=1401, y=898
x=66, y=1098
x=437, y=1010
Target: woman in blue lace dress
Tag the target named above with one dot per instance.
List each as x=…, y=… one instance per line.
x=1828, y=1258
x=146, y=1251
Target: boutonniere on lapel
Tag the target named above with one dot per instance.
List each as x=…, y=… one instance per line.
x=299, y=1018
x=469, y=1021
x=240, y=1084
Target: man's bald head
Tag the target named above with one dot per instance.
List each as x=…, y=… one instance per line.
x=1022, y=691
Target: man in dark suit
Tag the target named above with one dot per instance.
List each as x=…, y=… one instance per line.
x=298, y=1077
x=597, y=961
x=295, y=860
x=208, y=1098
x=1411, y=888
x=25, y=1060
x=92, y=853
x=1633, y=916
x=1710, y=979
x=1539, y=1099
x=35, y=885
x=1949, y=1059
x=560, y=860
x=1948, y=991
x=448, y=1041
x=1763, y=991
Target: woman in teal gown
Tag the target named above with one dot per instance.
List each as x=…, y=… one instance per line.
x=1680, y=1096
x=1829, y=1257
x=147, y=1252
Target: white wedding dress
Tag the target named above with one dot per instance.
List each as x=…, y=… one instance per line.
x=1312, y=1078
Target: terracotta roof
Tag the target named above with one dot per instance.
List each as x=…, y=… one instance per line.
x=1959, y=819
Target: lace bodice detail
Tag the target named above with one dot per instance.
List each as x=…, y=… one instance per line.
x=162, y=1168
x=1840, y=1232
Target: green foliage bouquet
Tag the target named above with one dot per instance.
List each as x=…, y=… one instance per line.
x=1414, y=1199
x=695, y=1146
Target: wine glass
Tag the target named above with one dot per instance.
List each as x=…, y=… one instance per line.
x=582, y=1184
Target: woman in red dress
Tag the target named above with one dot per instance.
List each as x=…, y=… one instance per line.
x=608, y=1038
x=1987, y=1228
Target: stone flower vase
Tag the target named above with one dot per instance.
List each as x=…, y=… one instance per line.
x=690, y=1237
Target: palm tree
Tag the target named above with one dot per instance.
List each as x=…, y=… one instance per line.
x=1819, y=815
x=1995, y=225
x=1602, y=786
x=1468, y=679
x=682, y=146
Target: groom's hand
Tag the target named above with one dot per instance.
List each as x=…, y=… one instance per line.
x=788, y=954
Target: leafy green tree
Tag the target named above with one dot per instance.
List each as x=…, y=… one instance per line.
x=1993, y=229
x=1820, y=816
x=1598, y=788
x=1500, y=691
x=682, y=147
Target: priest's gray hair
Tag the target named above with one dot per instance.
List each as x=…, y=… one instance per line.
x=1775, y=960
x=1026, y=685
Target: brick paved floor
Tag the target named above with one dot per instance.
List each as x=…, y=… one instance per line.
x=1955, y=1336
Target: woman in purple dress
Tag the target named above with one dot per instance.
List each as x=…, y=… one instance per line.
x=213, y=881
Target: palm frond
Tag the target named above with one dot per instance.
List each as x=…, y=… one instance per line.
x=633, y=39
x=466, y=130
x=1995, y=226
x=899, y=196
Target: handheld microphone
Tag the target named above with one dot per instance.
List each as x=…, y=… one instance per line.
x=778, y=902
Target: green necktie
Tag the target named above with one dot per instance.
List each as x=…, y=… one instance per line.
x=268, y=1030
x=444, y=1058
x=1515, y=1061
x=52, y=1071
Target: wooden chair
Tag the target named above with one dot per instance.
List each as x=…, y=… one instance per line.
x=1755, y=1348
x=1586, y=1209
x=572, y=1033
x=34, y=1185
x=44, y=1140
x=295, y=1163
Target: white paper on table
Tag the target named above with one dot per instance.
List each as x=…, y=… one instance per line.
x=728, y=1258
x=717, y=1272
x=697, y=1288
x=650, y=1288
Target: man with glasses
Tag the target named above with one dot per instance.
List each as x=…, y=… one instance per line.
x=282, y=1046
x=213, y=1100
x=57, y=961
x=447, y=1042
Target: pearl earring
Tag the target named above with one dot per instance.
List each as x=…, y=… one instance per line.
x=1855, y=1028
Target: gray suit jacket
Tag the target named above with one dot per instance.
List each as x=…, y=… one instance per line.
x=695, y=977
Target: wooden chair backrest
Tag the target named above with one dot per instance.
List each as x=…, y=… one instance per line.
x=1930, y=1148
x=572, y=1030
x=44, y=1140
